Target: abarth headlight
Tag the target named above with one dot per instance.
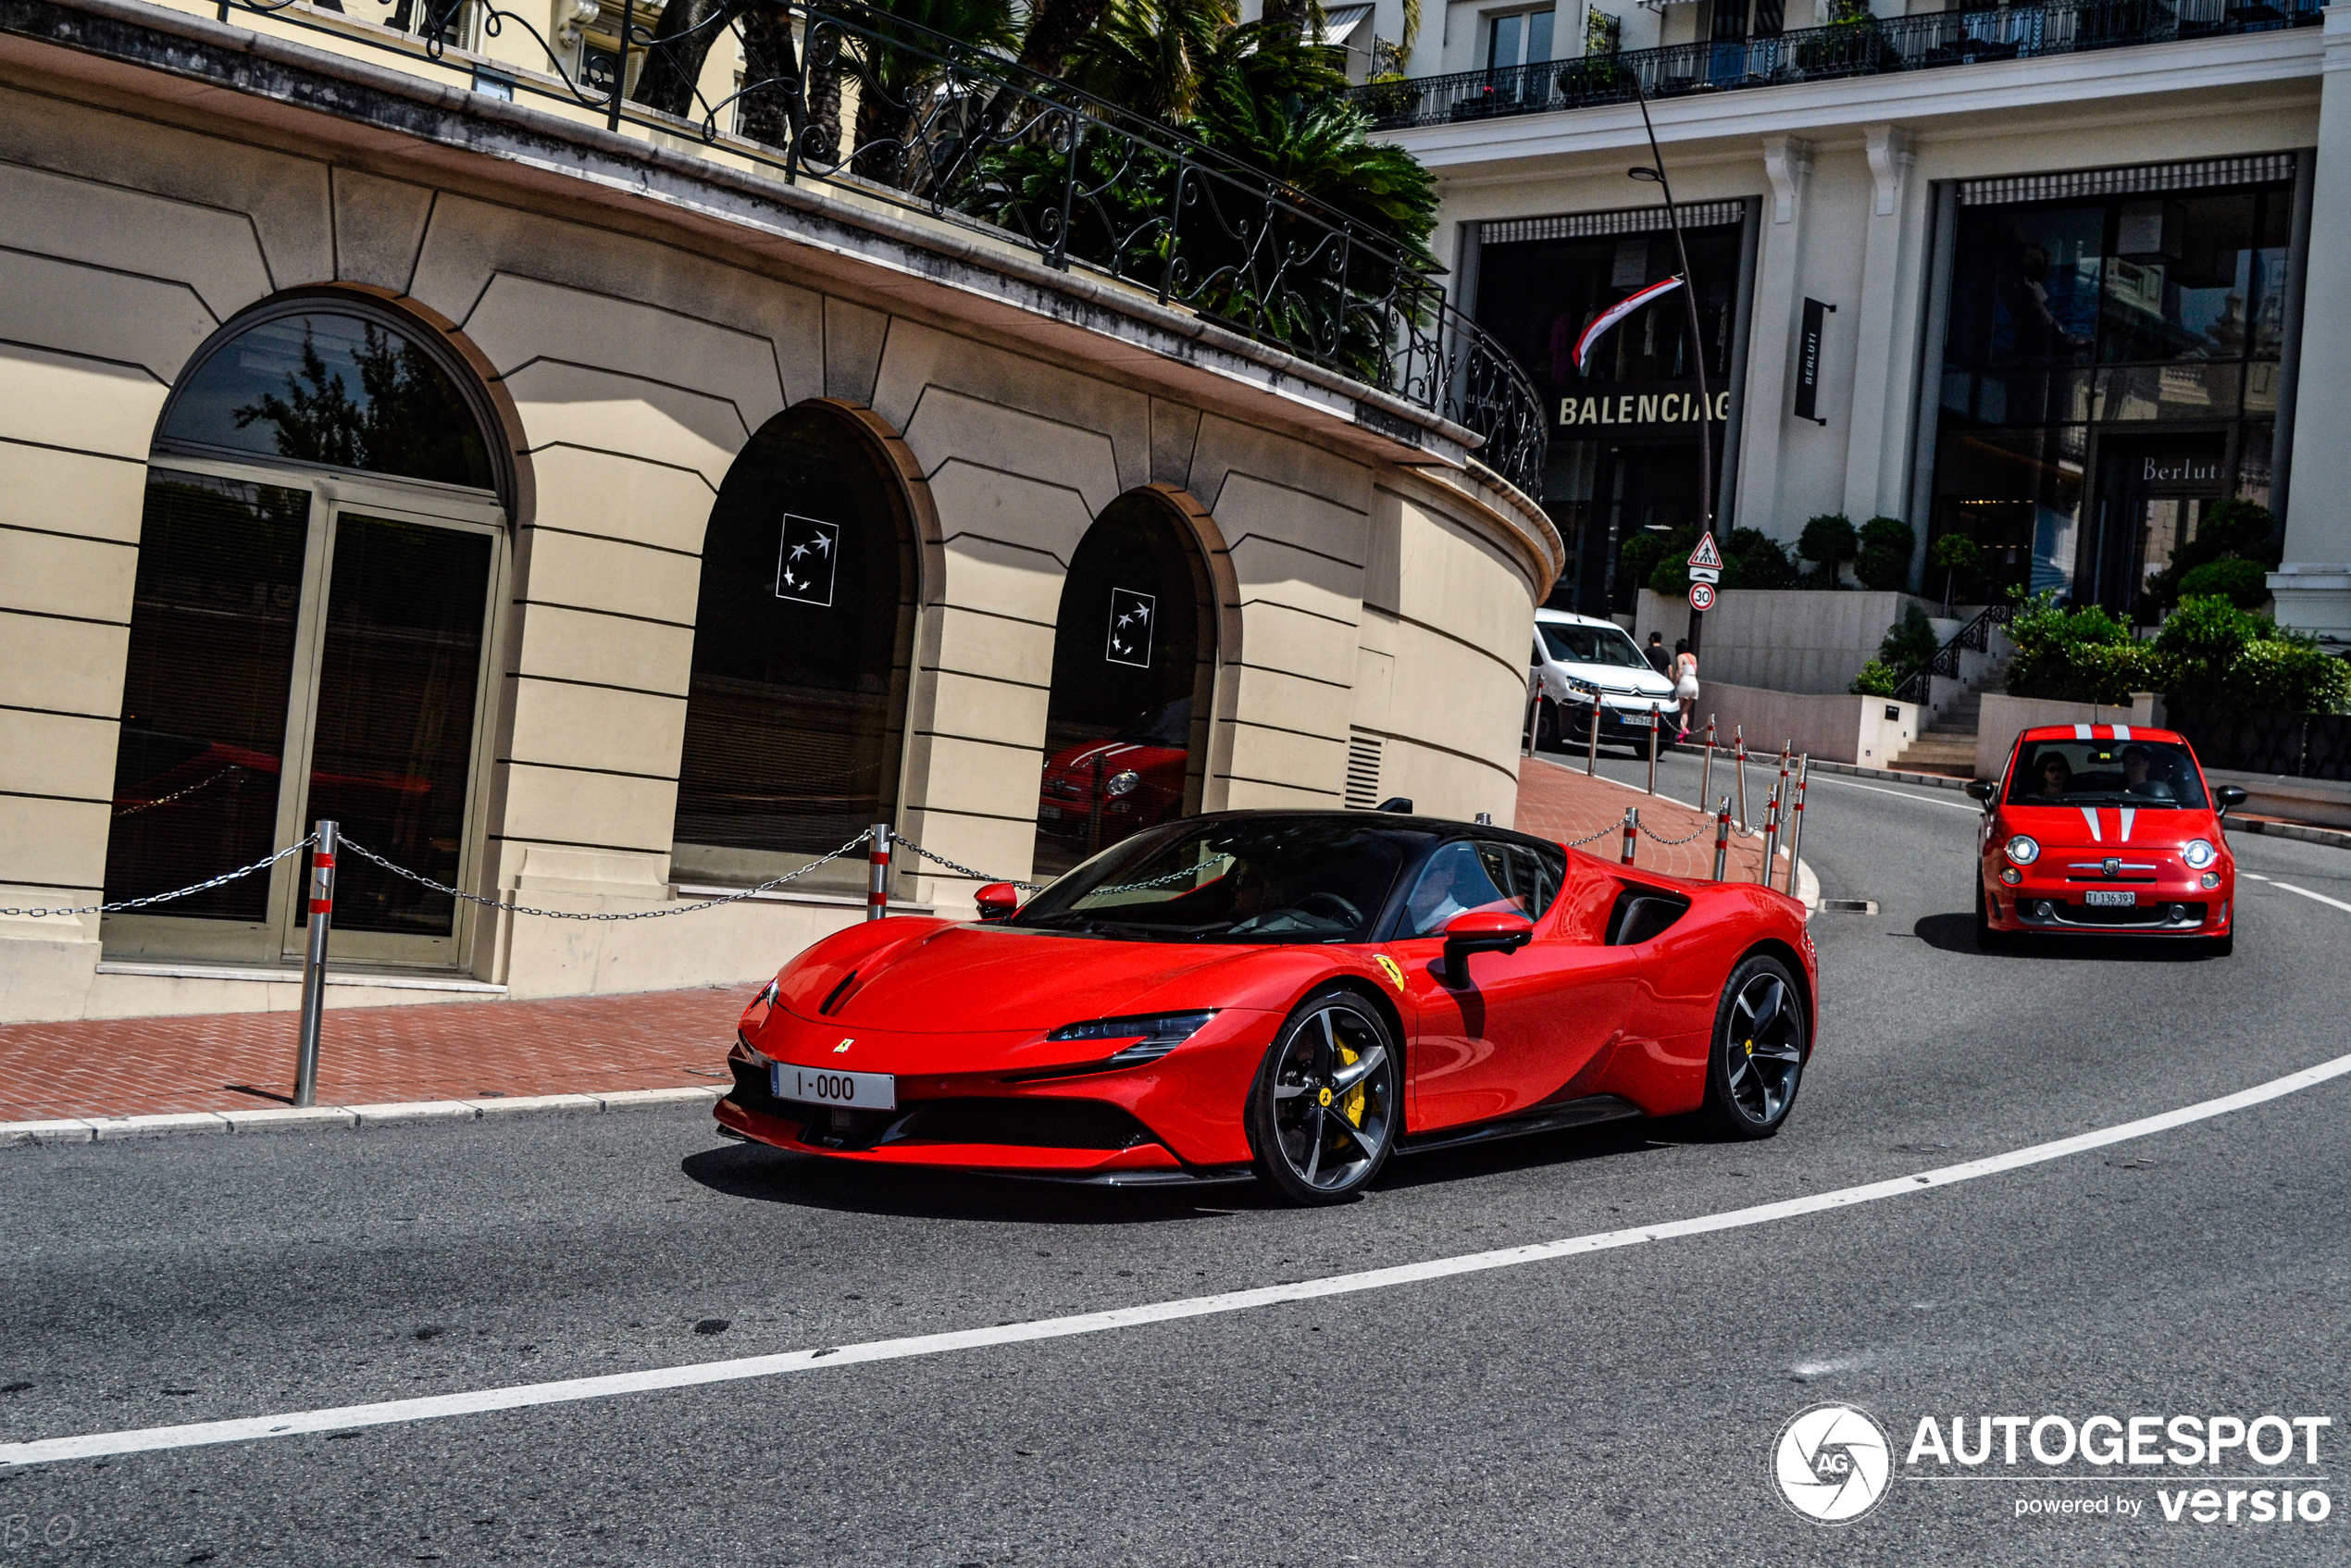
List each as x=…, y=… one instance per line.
x=1154, y=1034
x=2022, y=851
x=2198, y=853
x=1123, y=783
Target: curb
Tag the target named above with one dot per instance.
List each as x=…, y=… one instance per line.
x=2332, y=837
x=1931, y=780
x=110, y=1129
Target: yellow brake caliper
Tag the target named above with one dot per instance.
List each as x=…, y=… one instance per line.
x=1352, y=1106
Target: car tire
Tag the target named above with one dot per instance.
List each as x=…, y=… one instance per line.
x=2220, y=947
x=1546, y=726
x=1755, y=1062
x=1320, y=1122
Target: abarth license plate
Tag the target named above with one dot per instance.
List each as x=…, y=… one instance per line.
x=860, y=1091
x=2110, y=898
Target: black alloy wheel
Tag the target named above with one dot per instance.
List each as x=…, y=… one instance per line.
x=1759, y=1040
x=1324, y=1111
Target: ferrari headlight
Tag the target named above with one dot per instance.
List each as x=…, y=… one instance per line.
x=2198, y=853
x=1154, y=1035
x=772, y=993
x=1123, y=783
x=2022, y=851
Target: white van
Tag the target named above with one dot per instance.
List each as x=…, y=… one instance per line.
x=1576, y=656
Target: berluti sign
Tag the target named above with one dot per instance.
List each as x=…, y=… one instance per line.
x=1628, y=412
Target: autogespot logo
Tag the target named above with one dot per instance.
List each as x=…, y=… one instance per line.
x=1831, y=1463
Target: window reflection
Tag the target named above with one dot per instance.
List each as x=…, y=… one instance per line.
x=338, y=391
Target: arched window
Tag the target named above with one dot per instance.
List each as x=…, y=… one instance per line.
x=309, y=632
x=803, y=637
x=1133, y=649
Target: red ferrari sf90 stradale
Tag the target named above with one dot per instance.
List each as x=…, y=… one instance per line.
x=1293, y=995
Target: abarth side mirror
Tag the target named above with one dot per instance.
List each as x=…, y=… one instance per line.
x=997, y=901
x=1983, y=789
x=2230, y=795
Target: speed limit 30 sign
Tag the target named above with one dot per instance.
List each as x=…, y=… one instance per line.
x=1701, y=596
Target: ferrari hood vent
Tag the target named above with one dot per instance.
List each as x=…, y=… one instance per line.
x=838, y=994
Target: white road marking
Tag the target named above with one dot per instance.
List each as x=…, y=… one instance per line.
x=1900, y=794
x=2336, y=904
x=50, y=1451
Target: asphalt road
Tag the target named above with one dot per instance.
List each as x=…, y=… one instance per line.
x=1611, y=1406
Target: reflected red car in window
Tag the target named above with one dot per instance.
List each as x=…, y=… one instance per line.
x=2106, y=829
x=1292, y=996
x=1099, y=792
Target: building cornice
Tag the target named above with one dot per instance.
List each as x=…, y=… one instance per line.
x=1916, y=99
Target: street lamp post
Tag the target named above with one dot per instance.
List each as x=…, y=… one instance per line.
x=1656, y=174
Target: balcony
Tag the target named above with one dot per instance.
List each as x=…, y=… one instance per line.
x=1869, y=46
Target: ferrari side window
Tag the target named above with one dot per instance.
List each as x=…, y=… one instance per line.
x=1540, y=874
x=1456, y=880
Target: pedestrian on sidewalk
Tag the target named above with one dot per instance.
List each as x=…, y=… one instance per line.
x=1685, y=674
x=1660, y=660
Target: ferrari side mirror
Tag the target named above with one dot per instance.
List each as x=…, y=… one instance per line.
x=997, y=901
x=2230, y=795
x=1482, y=931
x=1981, y=789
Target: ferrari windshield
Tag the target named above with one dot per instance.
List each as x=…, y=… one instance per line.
x=1591, y=645
x=1256, y=879
x=2157, y=775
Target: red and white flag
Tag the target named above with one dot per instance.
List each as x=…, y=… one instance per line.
x=1618, y=312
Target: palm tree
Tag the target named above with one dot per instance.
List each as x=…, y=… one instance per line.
x=908, y=102
x=1152, y=56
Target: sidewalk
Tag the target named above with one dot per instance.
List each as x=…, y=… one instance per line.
x=1560, y=802
x=443, y=1053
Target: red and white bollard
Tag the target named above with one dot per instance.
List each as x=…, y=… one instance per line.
x=1632, y=832
x=321, y=893
x=878, y=877
x=1771, y=836
x=1796, y=827
x=1721, y=839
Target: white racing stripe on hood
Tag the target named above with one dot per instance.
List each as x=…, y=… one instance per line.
x=2128, y=812
x=2090, y=816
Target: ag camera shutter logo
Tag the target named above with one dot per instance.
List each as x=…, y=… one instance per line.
x=1833, y=1464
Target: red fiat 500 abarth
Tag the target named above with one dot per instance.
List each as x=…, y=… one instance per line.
x=1290, y=994
x=2107, y=829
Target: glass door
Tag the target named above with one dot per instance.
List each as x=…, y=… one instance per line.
x=300, y=650
x=395, y=720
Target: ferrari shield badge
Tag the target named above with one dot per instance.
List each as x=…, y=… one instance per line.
x=1388, y=966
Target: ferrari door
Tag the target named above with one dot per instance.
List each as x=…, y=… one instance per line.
x=1517, y=1027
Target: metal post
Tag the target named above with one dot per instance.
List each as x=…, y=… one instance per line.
x=620, y=72
x=1721, y=839
x=1632, y=832
x=1739, y=733
x=1592, y=738
x=1654, y=728
x=1533, y=716
x=1706, y=765
x=1796, y=827
x=1771, y=836
x=878, y=877
x=314, y=965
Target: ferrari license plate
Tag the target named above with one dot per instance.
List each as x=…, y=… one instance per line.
x=862, y=1091
x=2110, y=898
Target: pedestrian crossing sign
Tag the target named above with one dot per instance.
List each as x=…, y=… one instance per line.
x=1706, y=555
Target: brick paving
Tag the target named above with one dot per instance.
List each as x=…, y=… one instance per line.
x=1561, y=802
x=659, y=1039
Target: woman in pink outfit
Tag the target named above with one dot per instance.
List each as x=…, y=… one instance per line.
x=1684, y=685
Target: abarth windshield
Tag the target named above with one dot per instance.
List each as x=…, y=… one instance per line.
x=1263, y=880
x=2145, y=775
x=1591, y=645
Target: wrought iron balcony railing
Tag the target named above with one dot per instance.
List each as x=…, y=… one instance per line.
x=896, y=113
x=1869, y=46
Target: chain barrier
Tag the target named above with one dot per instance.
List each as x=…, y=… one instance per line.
x=960, y=869
x=1590, y=838
x=365, y=853
x=221, y=881
x=1706, y=826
